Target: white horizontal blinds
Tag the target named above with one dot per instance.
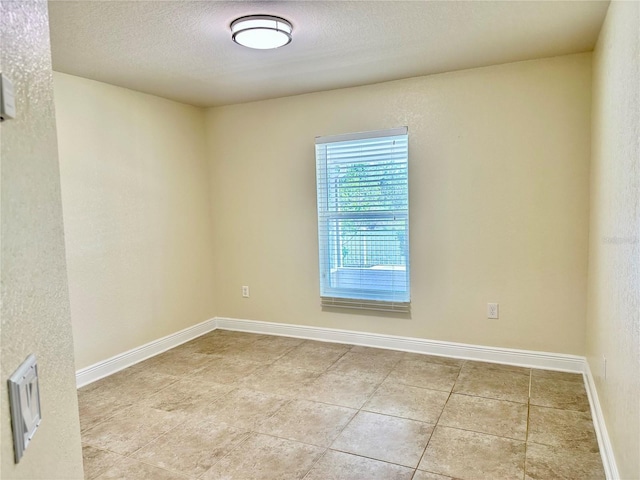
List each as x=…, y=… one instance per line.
x=363, y=222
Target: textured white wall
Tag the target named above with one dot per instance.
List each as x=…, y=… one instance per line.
x=35, y=302
x=137, y=220
x=613, y=326
x=499, y=179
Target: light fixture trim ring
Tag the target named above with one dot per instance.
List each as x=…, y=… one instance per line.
x=277, y=26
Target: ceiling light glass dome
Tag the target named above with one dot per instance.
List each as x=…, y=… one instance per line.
x=261, y=31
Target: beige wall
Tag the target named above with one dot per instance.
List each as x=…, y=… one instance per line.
x=613, y=325
x=499, y=180
x=135, y=196
x=35, y=300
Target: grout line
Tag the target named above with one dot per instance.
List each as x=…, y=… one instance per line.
x=108, y=417
x=130, y=457
x=401, y=417
x=289, y=439
x=173, y=472
x=562, y=409
x=482, y=433
x=439, y=416
x=241, y=443
x=289, y=401
x=153, y=440
x=526, y=438
x=336, y=361
x=102, y=449
x=326, y=449
x=363, y=404
x=250, y=432
x=463, y=394
x=371, y=458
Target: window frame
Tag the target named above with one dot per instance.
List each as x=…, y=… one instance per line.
x=360, y=298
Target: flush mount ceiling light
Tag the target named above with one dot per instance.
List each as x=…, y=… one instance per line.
x=261, y=31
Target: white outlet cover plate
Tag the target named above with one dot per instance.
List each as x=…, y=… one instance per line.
x=24, y=401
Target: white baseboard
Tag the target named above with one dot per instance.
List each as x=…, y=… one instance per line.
x=523, y=358
x=119, y=362
x=606, y=449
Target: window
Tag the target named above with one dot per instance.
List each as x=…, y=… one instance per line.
x=363, y=220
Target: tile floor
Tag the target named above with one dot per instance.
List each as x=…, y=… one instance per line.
x=233, y=405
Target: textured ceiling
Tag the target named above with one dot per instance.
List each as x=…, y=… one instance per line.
x=182, y=50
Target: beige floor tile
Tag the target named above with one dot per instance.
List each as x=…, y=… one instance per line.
x=187, y=395
x=132, y=385
x=422, y=475
x=561, y=463
x=95, y=408
x=343, y=466
x=177, y=363
x=422, y=357
x=345, y=390
x=106, y=383
x=97, y=461
x=564, y=376
x=313, y=356
x=263, y=457
x=226, y=370
x=308, y=422
x=385, y=438
x=279, y=380
x=389, y=355
x=266, y=355
x=192, y=448
x=216, y=343
x=486, y=415
x=419, y=373
x=191, y=346
x=551, y=392
x=493, y=383
x=264, y=350
x=409, y=402
x=334, y=347
x=560, y=428
x=110, y=383
x=130, y=429
x=236, y=336
x=129, y=469
x=216, y=347
x=471, y=365
x=277, y=341
x=464, y=454
x=373, y=367
x=244, y=409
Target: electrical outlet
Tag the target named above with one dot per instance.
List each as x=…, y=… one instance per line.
x=492, y=310
x=245, y=291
